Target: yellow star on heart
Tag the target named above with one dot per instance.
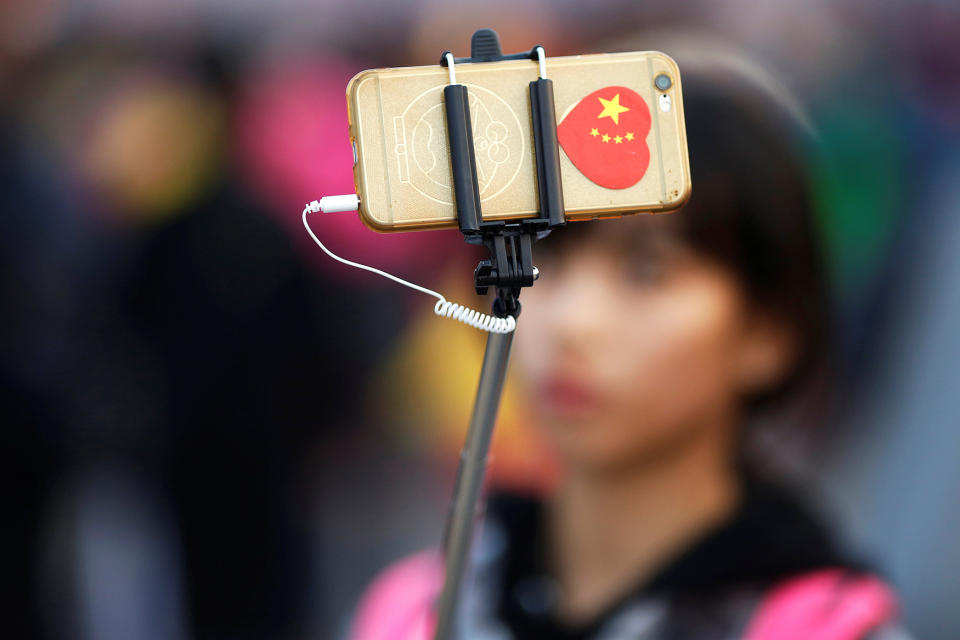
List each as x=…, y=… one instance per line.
x=612, y=108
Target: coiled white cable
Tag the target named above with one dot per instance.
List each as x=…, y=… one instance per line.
x=443, y=307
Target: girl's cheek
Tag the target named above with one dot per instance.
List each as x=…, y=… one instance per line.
x=676, y=357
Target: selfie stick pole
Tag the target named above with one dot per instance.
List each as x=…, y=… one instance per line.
x=509, y=268
x=473, y=459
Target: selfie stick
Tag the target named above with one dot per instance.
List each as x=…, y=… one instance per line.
x=509, y=268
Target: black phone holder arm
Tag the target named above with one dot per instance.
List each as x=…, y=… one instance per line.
x=510, y=243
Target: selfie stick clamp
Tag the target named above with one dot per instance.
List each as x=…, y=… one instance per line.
x=508, y=269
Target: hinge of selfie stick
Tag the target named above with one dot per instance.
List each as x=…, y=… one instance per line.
x=508, y=270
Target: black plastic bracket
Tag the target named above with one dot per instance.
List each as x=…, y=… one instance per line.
x=510, y=266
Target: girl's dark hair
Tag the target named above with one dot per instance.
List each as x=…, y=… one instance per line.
x=751, y=210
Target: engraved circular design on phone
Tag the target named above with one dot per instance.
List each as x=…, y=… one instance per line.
x=421, y=146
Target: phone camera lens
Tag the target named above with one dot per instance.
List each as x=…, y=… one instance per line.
x=663, y=82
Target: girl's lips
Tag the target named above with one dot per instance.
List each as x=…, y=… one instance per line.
x=567, y=395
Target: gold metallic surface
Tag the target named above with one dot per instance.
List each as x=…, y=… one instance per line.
x=403, y=173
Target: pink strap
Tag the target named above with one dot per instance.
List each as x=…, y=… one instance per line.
x=399, y=603
x=827, y=605
x=830, y=604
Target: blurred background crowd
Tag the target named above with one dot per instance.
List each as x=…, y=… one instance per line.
x=211, y=431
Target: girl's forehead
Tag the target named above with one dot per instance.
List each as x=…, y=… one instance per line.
x=629, y=235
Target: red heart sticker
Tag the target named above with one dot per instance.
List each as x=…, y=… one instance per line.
x=605, y=136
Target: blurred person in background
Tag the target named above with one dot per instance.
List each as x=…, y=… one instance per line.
x=158, y=346
x=657, y=351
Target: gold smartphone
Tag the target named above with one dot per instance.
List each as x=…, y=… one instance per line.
x=619, y=123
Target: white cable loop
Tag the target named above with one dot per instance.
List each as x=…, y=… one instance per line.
x=474, y=318
x=443, y=308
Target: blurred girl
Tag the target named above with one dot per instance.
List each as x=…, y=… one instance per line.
x=651, y=346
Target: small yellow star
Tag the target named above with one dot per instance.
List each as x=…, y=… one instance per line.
x=629, y=135
x=612, y=108
x=594, y=132
x=618, y=140
x=605, y=138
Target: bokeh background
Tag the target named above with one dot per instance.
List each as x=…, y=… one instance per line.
x=212, y=431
